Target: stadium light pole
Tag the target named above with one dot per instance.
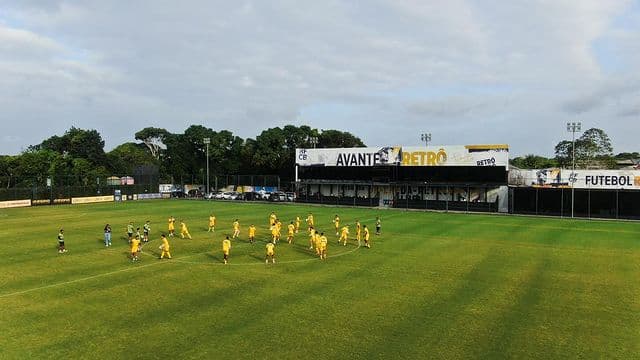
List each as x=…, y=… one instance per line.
x=207, y=141
x=313, y=140
x=572, y=127
x=426, y=137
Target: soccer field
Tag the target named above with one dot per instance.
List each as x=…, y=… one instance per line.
x=433, y=285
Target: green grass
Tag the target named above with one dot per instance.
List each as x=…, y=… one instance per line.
x=433, y=285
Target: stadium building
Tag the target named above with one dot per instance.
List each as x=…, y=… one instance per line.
x=453, y=177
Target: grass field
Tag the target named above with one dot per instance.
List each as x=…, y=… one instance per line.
x=433, y=285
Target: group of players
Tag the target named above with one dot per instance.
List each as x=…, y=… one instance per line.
x=317, y=239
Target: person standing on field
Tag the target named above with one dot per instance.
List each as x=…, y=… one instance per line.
x=226, y=249
x=378, y=225
x=366, y=236
x=61, y=248
x=271, y=253
x=184, y=231
x=146, y=229
x=164, y=247
x=107, y=235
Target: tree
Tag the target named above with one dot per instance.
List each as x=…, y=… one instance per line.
x=532, y=161
x=153, y=139
x=78, y=143
x=126, y=157
x=339, y=139
x=592, y=149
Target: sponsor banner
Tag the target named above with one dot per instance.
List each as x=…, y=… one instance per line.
x=149, y=196
x=91, y=199
x=38, y=202
x=451, y=155
x=14, y=203
x=61, y=201
x=166, y=195
x=580, y=179
x=167, y=188
x=456, y=155
x=388, y=155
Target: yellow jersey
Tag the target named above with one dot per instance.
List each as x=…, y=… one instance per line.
x=236, y=225
x=323, y=243
x=358, y=228
x=270, y=248
x=135, y=245
x=310, y=220
x=183, y=227
x=165, y=244
x=252, y=231
x=336, y=222
x=344, y=232
x=272, y=218
x=212, y=221
x=172, y=223
x=226, y=245
x=366, y=234
x=290, y=229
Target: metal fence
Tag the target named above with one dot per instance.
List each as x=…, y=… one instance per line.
x=65, y=187
x=587, y=203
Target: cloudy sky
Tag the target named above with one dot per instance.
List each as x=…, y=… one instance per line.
x=468, y=72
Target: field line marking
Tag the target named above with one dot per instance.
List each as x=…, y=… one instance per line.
x=85, y=278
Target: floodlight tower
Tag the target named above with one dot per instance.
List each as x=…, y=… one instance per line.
x=426, y=137
x=207, y=141
x=572, y=127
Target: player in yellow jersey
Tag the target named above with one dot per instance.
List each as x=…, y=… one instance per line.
x=135, y=248
x=164, y=247
x=236, y=229
x=212, y=223
x=271, y=253
x=323, y=247
x=317, y=239
x=252, y=233
x=226, y=248
x=184, y=231
x=310, y=221
x=172, y=226
x=290, y=230
x=366, y=236
x=279, y=228
x=336, y=223
x=344, y=234
x=272, y=218
x=312, y=237
x=297, y=223
x=358, y=231
x=274, y=233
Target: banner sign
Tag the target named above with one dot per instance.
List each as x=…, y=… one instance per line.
x=580, y=179
x=388, y=155
x=451, y=155
x=149, y=196
x=14, y=203
x=456, y=155
x=91, y=199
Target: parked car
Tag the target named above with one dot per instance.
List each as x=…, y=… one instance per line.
x=278, y=196
x=230, y=195
x=178, y=194
x=291, y=196
x=195, y=193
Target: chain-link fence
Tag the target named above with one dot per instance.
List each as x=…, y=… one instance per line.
x=66, y=187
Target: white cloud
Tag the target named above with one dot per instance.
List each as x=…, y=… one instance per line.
x=376, y=69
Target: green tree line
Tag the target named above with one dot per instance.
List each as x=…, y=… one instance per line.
x=593, y=149
x=78, y=156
